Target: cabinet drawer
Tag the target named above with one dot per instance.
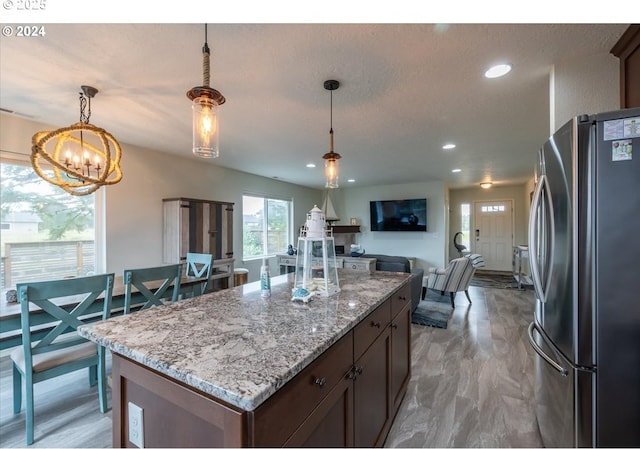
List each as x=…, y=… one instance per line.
x=283, y=260
x=400, y=299
x=368, y=330
x=276, y=420
x=360, y=266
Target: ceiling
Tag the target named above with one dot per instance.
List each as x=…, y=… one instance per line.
x=406, y=90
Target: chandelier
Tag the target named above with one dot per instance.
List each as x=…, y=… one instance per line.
x=205, y=103
x=83, y=157
x=331, y=158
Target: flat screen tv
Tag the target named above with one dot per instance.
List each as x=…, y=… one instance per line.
x=399, y=215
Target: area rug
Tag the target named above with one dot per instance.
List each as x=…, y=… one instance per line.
x=493, y=279
x=434, y=310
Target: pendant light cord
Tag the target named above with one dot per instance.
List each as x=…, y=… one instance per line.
x=205, y=59
x=331, y=122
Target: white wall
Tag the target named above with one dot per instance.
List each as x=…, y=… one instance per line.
x=584, y=86
x=134, y=205
x=519, y=194
x=426, y=247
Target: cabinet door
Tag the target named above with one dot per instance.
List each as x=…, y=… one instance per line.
x=371, y=393
x=400, y=356
x=331, y=423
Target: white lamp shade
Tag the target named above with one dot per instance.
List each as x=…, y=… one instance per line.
x=206, y=129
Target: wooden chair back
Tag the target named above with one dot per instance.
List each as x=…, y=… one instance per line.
x=155, y=284
x=61, y=350
x=199, y=265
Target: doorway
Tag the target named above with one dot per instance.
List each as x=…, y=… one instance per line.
x=493, y=233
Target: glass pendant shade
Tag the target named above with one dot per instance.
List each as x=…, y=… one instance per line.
x=205, y=127
x=331, y=173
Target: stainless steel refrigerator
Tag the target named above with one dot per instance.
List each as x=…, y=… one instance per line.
x=584, y=249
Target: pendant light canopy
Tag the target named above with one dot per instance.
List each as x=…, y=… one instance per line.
x=82, y=156
x=331, y=158
x=205, y=106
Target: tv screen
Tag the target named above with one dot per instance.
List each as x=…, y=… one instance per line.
x=399, y=215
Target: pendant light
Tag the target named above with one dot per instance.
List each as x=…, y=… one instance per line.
x=82, y=156
x=205, y=105
x=331, y=158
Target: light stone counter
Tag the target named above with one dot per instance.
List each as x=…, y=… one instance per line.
x=237, y=346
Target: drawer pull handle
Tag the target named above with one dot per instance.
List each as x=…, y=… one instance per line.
x=358, y=370
x=321, y=382
x=375, y=324
x=404, y=298
x=394, y=326
x=351, y=375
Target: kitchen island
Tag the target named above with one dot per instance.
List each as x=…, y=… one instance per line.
x=231, y=368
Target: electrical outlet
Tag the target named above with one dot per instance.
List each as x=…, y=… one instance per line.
x=136, y=425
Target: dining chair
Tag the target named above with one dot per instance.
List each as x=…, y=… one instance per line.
x=61, y=350
x=199, y=265
x=154, y=284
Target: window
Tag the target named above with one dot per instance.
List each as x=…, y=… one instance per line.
x=493, y=208
x=46, y=233
x=266, y=226
x=465, y=224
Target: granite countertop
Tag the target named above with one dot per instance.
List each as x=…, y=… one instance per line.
x=237, y=346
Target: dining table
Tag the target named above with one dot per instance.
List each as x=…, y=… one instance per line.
x=10, y=312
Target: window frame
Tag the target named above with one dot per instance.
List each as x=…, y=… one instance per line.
x=99, y=238
x=264, y=225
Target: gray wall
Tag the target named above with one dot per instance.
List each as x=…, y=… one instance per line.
x=133, y=207
x=426, y=247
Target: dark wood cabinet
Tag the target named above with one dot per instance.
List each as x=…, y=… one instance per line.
x=628, y=50
x=331, y=423
x=279, y=417
x=348, y=396
x=400, y=355
x=371, y=393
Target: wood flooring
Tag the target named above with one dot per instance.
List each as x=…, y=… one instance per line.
x=471, y=386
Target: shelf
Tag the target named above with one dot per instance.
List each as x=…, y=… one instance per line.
x=346, y=229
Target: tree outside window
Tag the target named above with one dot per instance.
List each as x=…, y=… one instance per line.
x=266, y=226
x=46, y=233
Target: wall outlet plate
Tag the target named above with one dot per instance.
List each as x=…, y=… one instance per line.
x=136, y=424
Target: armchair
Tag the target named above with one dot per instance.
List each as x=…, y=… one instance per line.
x=456, y=277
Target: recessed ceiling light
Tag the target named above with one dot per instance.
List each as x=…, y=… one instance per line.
x=456, y=170
x=498, y=70
x=449, y=146
x=311, y=165
x=351, y=180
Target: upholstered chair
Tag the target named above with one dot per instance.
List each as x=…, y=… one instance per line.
x=456, y=277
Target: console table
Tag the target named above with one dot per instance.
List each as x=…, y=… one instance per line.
x=287, y=263
x=522, y=278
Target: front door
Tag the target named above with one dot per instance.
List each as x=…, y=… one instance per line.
x=493, y=233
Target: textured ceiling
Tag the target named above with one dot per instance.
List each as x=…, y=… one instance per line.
x=405, y=91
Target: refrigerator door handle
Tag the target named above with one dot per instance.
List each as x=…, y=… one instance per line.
x=533, y=238
x=563, y=371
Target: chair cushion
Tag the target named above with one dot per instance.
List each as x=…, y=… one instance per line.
x=51, y=359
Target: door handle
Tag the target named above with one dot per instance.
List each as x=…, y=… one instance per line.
x=563, y=371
